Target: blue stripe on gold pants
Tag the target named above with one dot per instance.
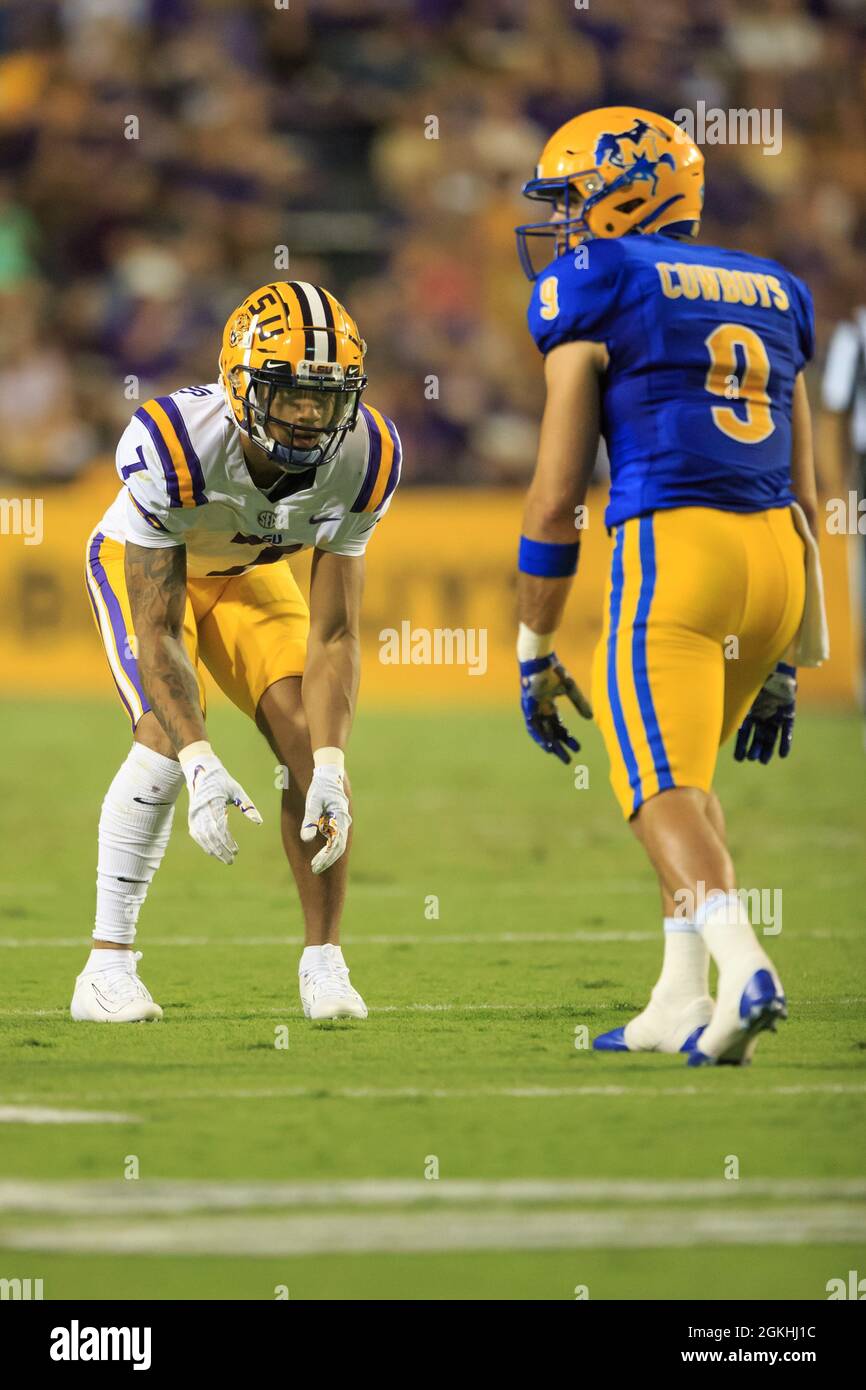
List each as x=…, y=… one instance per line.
x=700, y=606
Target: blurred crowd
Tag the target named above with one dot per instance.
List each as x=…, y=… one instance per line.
x=160, y=158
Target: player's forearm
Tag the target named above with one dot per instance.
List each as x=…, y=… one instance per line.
x=541, y=602
x=330, y=688
x=171, y=687
x=567, y=447
x=548, y=520
x=156, y=584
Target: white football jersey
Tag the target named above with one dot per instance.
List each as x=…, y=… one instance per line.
x=185, y=482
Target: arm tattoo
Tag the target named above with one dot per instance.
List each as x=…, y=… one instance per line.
x=156, y=584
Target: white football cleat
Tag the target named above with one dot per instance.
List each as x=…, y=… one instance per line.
x=750, y=1001
x=114, y=994
x=326, y=991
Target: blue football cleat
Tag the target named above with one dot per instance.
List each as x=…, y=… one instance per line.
x=692, y=1040
x=762, y=1004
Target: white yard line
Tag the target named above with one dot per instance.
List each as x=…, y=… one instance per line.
x=118, y=1197
x=279, y=1011
x=443, y=1230
x=519, y=1092
x=433, y=937
x=521, y=887
x=46, y=1115
x=501, y=887
x=32, y=1013
x=750, y=1092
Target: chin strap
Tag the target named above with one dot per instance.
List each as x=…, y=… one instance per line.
x=290, y=460
x=296, y=460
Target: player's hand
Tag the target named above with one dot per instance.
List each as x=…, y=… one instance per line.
x=772, y=714
x=542, y=681
x=211, y=792
x=326, y=813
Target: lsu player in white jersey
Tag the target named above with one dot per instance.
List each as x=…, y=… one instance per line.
x=187, y=569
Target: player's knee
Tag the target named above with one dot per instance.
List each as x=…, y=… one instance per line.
x=290, y=738
x=281, y=718
x=716, y=816
x=673, y=802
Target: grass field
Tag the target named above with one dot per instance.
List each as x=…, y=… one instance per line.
x=548, y=922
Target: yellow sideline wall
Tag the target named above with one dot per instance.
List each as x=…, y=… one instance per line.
x=441, y=559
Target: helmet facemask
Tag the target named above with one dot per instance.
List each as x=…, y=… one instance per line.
x=299, y=419
x=566, y=227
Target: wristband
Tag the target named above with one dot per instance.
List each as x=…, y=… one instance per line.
x=547, y=559
x=201, y=749
x=329, y=757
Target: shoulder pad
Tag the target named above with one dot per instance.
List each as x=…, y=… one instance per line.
x=384, y=458
x=573, y=298
x=181, y=468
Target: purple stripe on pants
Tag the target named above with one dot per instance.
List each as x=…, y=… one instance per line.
x=118, y=626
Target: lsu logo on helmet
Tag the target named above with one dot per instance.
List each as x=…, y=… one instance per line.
x=239, y=330
x=610, y=172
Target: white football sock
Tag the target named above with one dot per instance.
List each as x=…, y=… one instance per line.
x=680, y=1001
x=311, y=959
x=108, y=958
x=134, y=829
x=724, y=924
x=723, y=921
x=686, y=965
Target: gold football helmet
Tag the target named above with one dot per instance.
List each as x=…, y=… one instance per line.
x=610, y=172
x=292, y=368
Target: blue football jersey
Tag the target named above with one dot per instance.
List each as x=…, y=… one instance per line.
x=704, y=348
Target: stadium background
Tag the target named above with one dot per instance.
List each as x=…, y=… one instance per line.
x=306, y=128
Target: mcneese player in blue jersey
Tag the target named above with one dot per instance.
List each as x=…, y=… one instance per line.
x=689, y=361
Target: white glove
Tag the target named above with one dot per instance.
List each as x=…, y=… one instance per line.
x=211, y=791
x=327, y=813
